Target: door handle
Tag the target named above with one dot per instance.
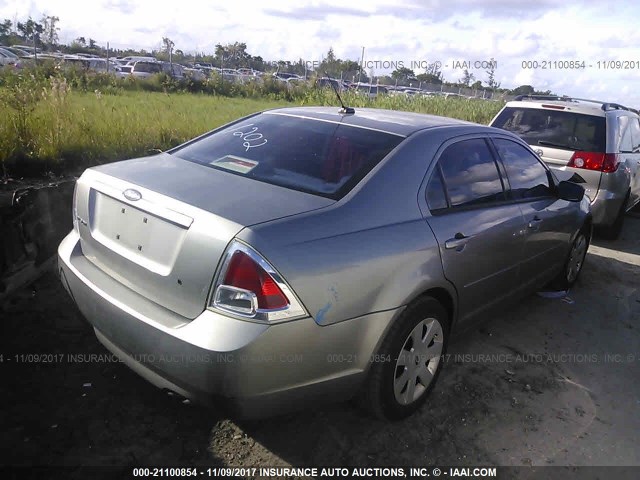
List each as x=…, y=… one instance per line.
x=458, y=242
x=535, y=223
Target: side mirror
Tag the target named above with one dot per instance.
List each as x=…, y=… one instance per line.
x=572, y=192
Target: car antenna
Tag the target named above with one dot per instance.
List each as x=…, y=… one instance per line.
x=345, y=109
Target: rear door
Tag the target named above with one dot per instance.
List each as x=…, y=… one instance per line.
x=549, y=221
x=479, y=233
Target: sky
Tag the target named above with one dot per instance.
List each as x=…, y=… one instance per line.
x=590, y=33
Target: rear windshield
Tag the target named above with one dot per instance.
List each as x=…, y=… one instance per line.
x=555, y=128
x=318, y=157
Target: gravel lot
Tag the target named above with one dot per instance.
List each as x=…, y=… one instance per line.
x=550, y=382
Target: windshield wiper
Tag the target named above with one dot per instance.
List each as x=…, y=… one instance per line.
x=552, y=144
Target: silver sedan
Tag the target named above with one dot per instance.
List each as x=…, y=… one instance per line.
x=307, y=254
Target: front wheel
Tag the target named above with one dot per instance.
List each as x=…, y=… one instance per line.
x=412, y=352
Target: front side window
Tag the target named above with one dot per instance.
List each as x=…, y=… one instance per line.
x=318, y=157
x=528, y=178
x=470, y=173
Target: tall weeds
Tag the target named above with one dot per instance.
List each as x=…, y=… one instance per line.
x=56, y=120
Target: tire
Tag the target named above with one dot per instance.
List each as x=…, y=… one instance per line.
x=612, y=232
x=400, y=382
x=574, y=263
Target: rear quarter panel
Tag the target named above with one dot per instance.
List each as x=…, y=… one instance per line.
x=372, y=251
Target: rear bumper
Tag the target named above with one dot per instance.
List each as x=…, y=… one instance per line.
x=256, y=369
x=606, y=206
x=606, y=191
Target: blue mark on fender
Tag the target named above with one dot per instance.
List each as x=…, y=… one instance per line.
x=322, y=312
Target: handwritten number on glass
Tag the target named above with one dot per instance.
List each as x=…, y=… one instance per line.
x=252, y=138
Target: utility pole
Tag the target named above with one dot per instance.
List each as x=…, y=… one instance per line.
x=107, y=57
x=361, y=66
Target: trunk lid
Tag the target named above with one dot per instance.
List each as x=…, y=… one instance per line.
x=160, y=224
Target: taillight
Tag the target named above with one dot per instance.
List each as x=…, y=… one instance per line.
x=245, y=274
x=611, y=162
x=250, y=287
x=603, y=162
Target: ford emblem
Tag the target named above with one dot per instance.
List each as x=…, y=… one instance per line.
x=131, y=194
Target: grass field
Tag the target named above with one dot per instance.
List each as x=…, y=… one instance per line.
x=58, y=128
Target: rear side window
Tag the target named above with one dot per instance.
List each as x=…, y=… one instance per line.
x=527, y=177
x=625, y=143
x=318, y=157
x=470, y=173
x=555, y=128
x=436, y=198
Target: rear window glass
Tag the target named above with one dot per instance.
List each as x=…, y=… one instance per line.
x=313, y=156
x=147, y=67
x=555, y=128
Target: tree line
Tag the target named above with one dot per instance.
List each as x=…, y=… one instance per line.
x=44, y=34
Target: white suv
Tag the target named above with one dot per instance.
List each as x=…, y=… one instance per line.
x=599, y=141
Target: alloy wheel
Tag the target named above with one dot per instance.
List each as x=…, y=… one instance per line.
x=418, y=361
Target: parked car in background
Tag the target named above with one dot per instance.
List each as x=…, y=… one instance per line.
x=250, y=72
x=326, y=82
x=307, y=254
x=93, y=64
x=369, y=90
x=123, y=71
x=599, y=141
x=195, y=74
x=8, y=58
x=137, y=58
x=286, y=76
x=28, y=48
x=144, y=69
x=16, y=51
x=174, y=70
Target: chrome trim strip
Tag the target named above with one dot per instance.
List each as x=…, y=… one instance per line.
x=142, y=204
x=295, y=309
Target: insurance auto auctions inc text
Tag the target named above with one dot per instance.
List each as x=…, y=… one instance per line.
x=374, y=472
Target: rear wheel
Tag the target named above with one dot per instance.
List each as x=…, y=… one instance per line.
x=410, y=361
x=575, y=261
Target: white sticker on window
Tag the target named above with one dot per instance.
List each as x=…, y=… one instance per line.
x=237, y=164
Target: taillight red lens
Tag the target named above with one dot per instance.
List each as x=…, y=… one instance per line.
x=611, y=162
x=603, y=162
x=245, y=273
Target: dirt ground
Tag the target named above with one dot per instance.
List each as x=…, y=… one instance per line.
x=550, y=382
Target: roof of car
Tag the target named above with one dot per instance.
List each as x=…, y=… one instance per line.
x=391, y=121
x=576, y=105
